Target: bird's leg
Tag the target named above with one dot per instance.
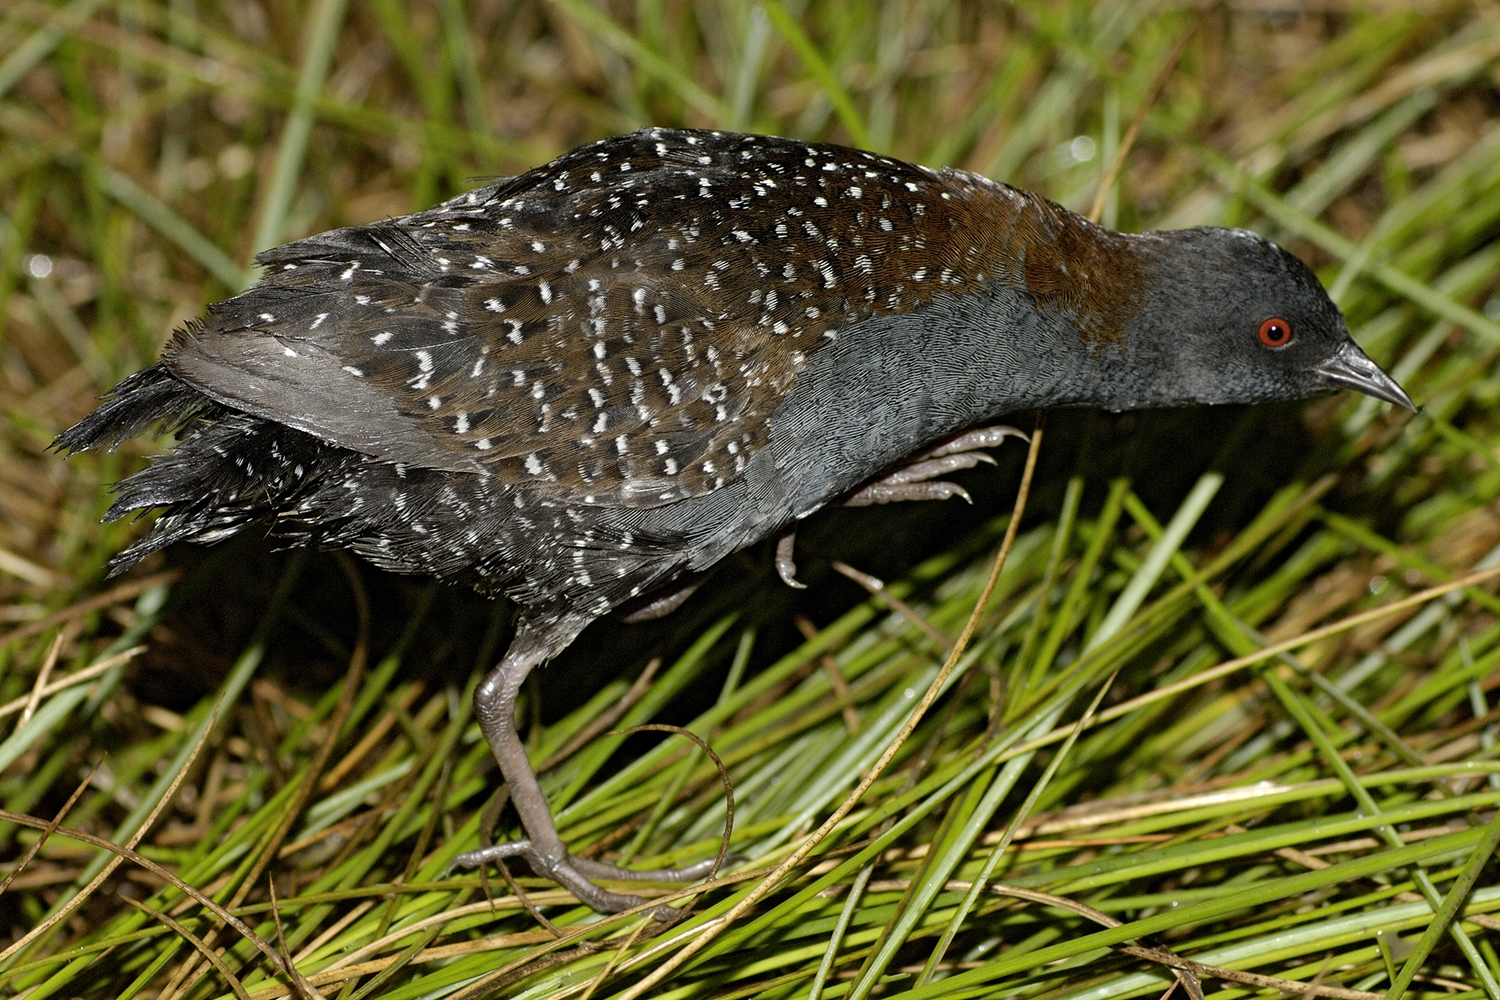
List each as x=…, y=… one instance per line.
x=918, y=479
x=543, y=849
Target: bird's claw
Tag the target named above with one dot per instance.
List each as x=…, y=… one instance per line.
x=786, y=566
x=890, y=490
x=984, y=437
x=576, y=874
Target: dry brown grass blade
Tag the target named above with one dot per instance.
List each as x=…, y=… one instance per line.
x=833, y=673
x=1176, y=962
x=304, y=989
x=877, y=589
x=605, y=719
x=49, y=830
x=115, y=595
x=48, y=662
x=1158, y=84
x=63, y=683
x=120, y=853
x=123, y=854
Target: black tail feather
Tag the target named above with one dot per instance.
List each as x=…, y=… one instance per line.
x=228, y=470
x=151, y=396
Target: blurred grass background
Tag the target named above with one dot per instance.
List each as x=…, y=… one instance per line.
x=1322, y=816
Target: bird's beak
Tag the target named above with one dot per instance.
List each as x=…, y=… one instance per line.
x=1349, y=368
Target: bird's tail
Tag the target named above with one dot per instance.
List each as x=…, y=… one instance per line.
x=227, y=469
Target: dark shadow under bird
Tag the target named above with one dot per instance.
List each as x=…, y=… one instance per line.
x=586, y=385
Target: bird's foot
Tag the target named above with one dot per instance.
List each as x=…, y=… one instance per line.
x=576, y=874
x=918, y=481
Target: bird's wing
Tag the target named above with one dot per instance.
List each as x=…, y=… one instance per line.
x=615, y=327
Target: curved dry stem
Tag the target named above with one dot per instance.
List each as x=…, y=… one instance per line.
x=50, y=829
x=123, y=854
x=724, y=779
x=201, y=946
x=120, y=852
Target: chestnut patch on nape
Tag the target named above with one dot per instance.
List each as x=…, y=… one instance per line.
x=1085, y=272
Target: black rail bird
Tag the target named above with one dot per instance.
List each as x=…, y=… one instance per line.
x=590, y=383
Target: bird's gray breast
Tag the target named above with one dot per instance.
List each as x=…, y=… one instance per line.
x=894, y=385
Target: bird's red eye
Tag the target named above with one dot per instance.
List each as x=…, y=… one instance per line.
x=1275, y=332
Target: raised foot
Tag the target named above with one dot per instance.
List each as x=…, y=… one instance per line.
x=575, y=874
x=918, y=481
